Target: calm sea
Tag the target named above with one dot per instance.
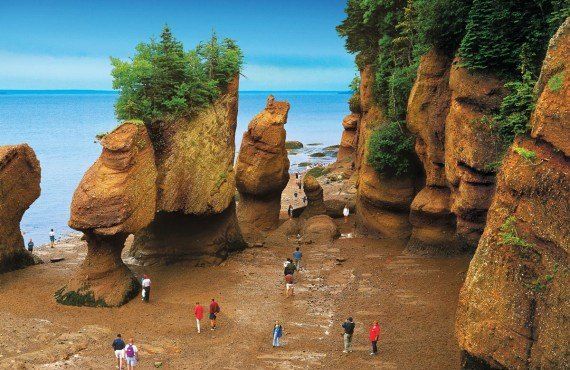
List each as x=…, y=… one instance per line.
x=61, y=126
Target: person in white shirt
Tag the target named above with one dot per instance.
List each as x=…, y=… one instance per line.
x=51, y=238
x=146, y=288
x=345, y=213
x=131, y=354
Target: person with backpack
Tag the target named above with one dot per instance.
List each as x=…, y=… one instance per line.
x=277, y=333
x=30, y=246
x=145, y=288
x=51, y=238
x=297, y=255
x=289, y=268
x=131, y=354
x=214, y=310
x=348, y=327
x=198, y=314
x=119, y=348
x=374, y=336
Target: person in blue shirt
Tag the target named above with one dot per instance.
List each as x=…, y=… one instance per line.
x=277, y=333
x=297, y=258
x=119, y=348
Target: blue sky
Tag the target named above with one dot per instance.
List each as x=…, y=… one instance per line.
x=288, y=45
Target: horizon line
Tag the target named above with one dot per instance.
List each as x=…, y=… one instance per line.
x=116, y=91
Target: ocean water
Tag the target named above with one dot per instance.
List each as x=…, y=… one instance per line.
x=61, y=126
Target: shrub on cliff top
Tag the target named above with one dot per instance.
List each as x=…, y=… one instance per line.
x=391, y=150
x=162, y=80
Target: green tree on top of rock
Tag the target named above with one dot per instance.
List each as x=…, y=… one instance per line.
x=163, y=81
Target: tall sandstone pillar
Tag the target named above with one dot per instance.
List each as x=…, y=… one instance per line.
x=262, y=169
x=19, y=188
x=383, y=203
x=430, y=215
x=195, y=187
x=116, y=197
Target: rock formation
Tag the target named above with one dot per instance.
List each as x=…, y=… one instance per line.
x=514, y=308
x=195, y=187
x=319, y=229
x=471, y=148
x=382, y=203
x=348, y=140
x=262, y=169
x=19, y=188
x=428, y=106
x=314, y=193
x=116, y=197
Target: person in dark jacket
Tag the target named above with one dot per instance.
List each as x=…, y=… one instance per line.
x=119, y=349
x=348, y=327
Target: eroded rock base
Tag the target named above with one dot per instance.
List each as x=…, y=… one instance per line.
x=102, y=280
x=174, y=236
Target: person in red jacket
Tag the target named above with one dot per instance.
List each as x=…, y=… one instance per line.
x=214, y=310
x=199, y=314
x=374, y=336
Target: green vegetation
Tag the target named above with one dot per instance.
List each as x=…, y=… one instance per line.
x=516, y=108
x=529, y=155
x=78, y=298
x=508, y=38
x=163, y=81
x=354, y=103
x=509, y=235
x=541, y=283
x=555, y=82
x=318, y=171
x=221, y=179
x=391, y=150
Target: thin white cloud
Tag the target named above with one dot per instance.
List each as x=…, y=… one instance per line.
x=28, y=71
x=267, y=77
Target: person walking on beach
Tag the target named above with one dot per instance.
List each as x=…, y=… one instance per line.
x=289, y=267
x=30, y=246
x=345, y=213
x=299, y=184
x=297, y=255
x=289, y=285
x=145, y=288
x=131, y=354
x=290, y=211
x=277, y=333
x=198, y=314
x=374, y=336
x=119, y=348
x=348, y=327
x=51, y=238
x=214, y=311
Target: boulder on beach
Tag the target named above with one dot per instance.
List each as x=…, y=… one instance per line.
x=262, y=169
x=319, y=229
x=116, y=197
x=19, y=187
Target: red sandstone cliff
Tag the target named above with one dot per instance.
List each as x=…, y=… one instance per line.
x=514, y=308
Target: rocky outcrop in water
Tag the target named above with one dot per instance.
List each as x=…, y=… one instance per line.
x=514, y=308
x=428, y=106
x=471, y=148
x=195, y=187
x=382, y=203
x=116, y=197
x=19, y=187
x=262, y=169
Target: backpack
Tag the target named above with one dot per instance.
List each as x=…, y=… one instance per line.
x=217, y=308
x=130, y=351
